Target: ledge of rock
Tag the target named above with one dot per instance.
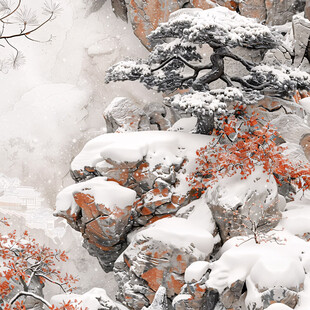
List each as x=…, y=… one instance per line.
x=102, y=217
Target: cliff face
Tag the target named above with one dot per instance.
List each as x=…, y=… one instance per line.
x=139, y=216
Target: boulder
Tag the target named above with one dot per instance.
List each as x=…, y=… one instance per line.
x=157, y=113
x=101, y=211
x=291, y=127
x=158, y=256
x=245, y=206
x=123, y=115
x=283, y=284
x=194, y=294
x=305, y=144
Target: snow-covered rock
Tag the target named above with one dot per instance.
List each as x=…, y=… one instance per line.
x=159, y=255
x=244, y=206
x=101, y=211
x=95, y=299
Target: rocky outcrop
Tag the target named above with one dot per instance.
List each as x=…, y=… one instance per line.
x=145, y=16
x=143, y=184
x=137, y=213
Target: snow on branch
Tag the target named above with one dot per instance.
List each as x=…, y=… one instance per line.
x=210, y=102
x=127, y=70
x=179, y=47
x=283, y=79
x=218, y=26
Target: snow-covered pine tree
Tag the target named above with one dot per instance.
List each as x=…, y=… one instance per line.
x=177, y=62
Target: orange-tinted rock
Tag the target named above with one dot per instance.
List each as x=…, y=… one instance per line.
x=145, y=16
x=92, y=209
x=253, y=8
x=156, y=259
x=203, y=4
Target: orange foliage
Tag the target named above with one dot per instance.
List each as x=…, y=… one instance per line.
x=250, y=145
x=22, y=261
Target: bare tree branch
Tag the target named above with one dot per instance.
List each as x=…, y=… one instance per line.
x=29, y=294
x=12, y=12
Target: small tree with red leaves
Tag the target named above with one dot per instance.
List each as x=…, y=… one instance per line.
x=25, y=267
x=241, y=145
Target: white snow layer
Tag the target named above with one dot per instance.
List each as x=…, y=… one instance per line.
x=180, y=233
x=233, y=191
x=195, y=271
x=241, y=254
x=107, y=193
x=88, y=300
x=226, y=26
x=158, y=147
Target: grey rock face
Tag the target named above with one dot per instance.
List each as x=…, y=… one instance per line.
x=253, y=212
x=106, y=258
x=301, y=31
x=156, y=112
x=120, y=9
x=307, y=9
x=230, y=298
x=280, y=295
x=123, y=115
x=196, y=295
x=281, y=12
